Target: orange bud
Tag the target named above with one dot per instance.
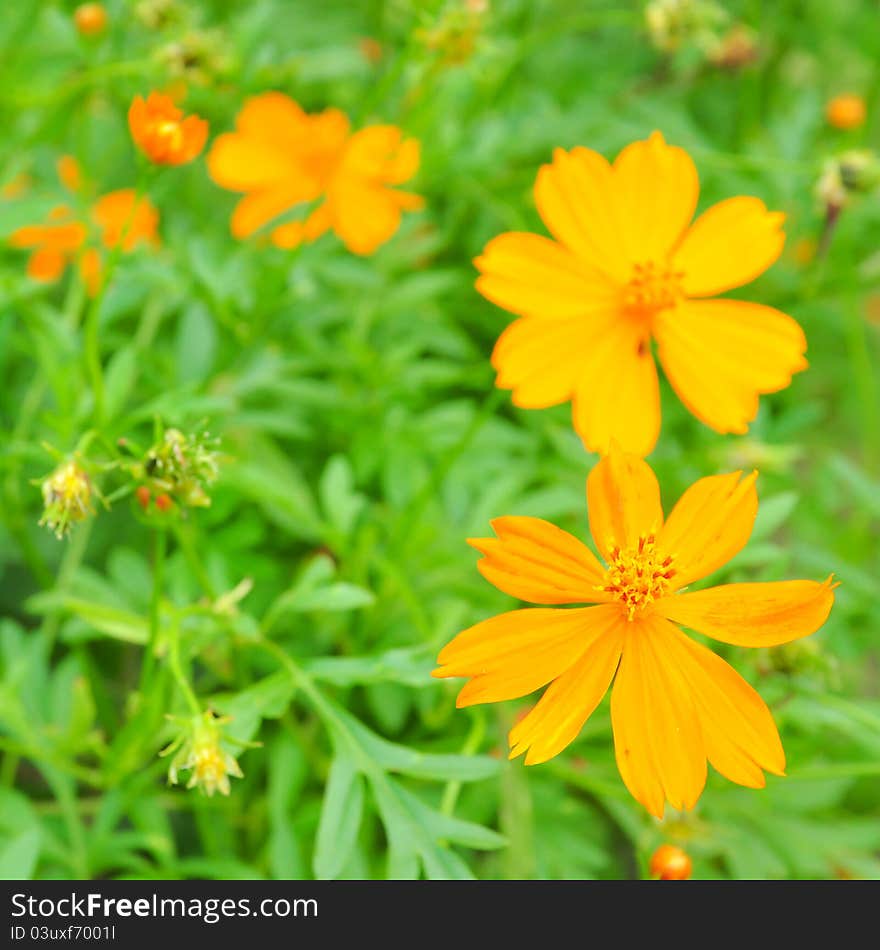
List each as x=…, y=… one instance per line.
x=142, y=493
x=370, y=49
x=846, y=111
x=161, y=131
x=90, y=19
x=164, y=502
x=669, y=863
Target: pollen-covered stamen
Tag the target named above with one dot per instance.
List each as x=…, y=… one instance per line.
x=652, y=288
x=639, y=576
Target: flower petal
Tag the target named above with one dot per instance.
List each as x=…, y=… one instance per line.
x=738, y=731
x=46, y=263
x=195, y=134
x=709, y=524
x=575, y=198
x=518, y=652
x=754, y=615
x=571, y=699
x=729, y=245
x=618, y=395
x=258, y=208
x=720, y=355
x=243, y=163
x=657, y=188
x=657, y=739
x=534, y=276
x=623, y=499
x=543, y=361
x=364, y=217
x=535, y=561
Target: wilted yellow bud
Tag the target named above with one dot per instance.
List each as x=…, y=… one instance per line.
x=67, y=498
x=199, y=750
x=853, y=173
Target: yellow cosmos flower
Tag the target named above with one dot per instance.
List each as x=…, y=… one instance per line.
x=280, y=157
x=627, y=267
x=674, y=704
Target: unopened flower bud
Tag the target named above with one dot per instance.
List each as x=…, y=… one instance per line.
x=669, y=863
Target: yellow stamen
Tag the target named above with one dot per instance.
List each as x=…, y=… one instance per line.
x=652, y=288
x=639, y=576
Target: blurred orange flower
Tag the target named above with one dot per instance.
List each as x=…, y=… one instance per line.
x=161, y=132
x=279, y=156
x=120, y=219
x=63, y=239
x=90, y=19
x=54, y=244
x=674, y=704
x=627, y=267
x=846, y=111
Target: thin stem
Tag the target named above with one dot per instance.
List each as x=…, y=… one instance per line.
x=176, y=668
x=91, y=327
x=472, y=743
x=160, y=550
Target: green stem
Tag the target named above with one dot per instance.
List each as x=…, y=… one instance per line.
x=160, y=550
x=177, y=672
x=91, y=327
x=472, y=743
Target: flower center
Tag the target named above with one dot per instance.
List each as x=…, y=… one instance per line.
x=652, y=288
x=170, y=135
x=638, y=576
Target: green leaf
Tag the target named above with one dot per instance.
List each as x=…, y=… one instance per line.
x=18, y=857
x=340, y=818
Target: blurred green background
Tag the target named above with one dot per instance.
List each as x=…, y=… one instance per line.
x=363, y=442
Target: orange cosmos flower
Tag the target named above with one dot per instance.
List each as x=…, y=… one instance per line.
x=64, y=238
x=674, y=704
x=279, y=156
x=162, y=133
x=55, y=244
x=627, y=268
x=846, y=111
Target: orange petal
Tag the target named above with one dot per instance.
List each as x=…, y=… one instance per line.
x=195, y=134
x=575, y=196
x=728, y=246
x=738, y=731
x=657, y=739
x=533, y=276
x=259, y=207
x=518, y=652
x=618, y=394
x=656, y=186
x=47, y=264
x=116, y=215
x=753, y=615
x=380, y=154
x=720, y=355
x=571, y=699
x=623, y=498
x=542, y=361
x=535, y=561
x=91, y=269
x=241, y=163
x=364, y=217
x=709, y=524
